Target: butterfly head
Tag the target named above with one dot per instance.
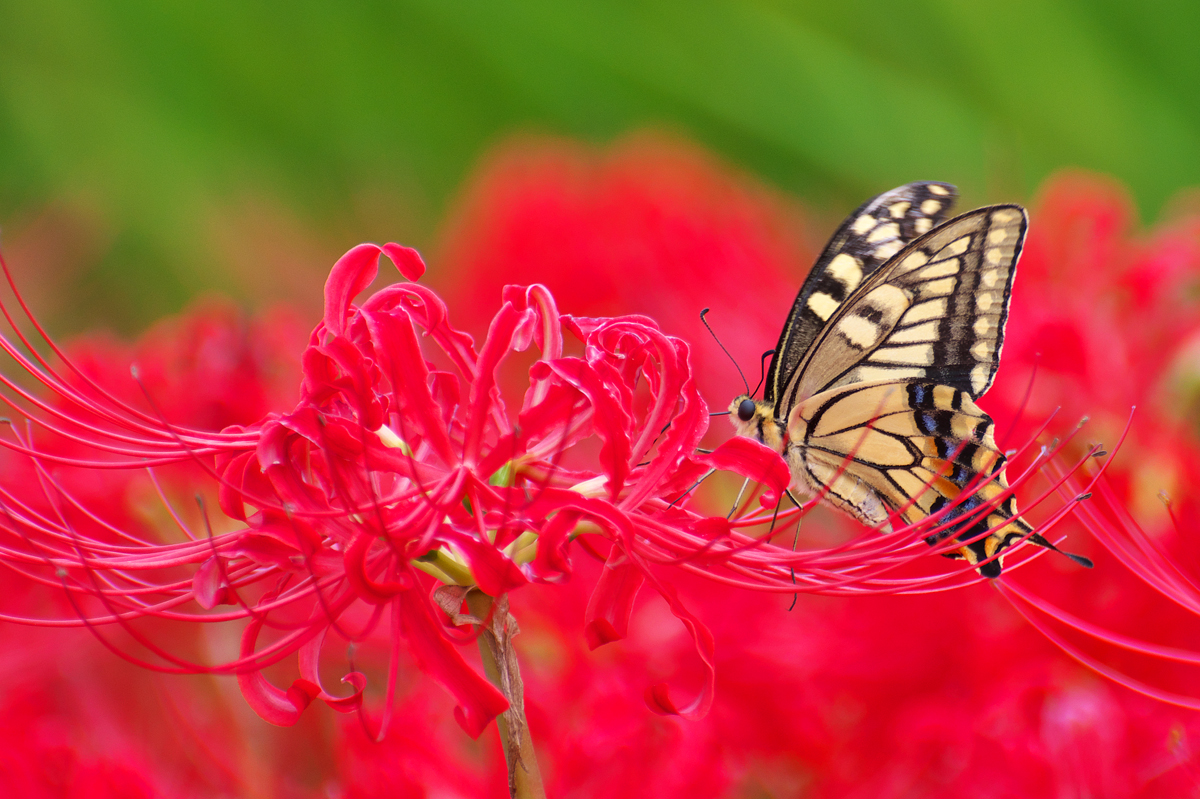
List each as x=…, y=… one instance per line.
x=756, y=419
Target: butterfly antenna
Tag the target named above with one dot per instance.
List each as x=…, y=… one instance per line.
x=762, y=374
x=722, y=346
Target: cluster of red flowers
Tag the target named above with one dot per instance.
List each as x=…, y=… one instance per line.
x=388, y=465
x=415, y=459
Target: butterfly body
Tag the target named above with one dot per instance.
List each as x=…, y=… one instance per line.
x=893, y=336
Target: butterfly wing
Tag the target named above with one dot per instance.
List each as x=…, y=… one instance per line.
x=879, y=229
x=909, y=449
x=935, y=312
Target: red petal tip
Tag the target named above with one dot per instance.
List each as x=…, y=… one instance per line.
x=406, y=259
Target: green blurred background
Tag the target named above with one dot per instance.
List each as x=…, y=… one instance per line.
x=143, y=145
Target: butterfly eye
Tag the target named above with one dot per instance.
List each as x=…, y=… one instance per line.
x=746, y=410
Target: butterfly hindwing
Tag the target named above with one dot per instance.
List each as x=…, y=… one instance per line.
x=935, y=312
x=912, y=450
x=879, y=229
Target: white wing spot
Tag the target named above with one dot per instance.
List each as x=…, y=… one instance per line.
x=943, y=397
x=822, y=305
x=989, y=279
x=918, y=354
x=937, y=288
x=983, y=350
x=979, y=377
x=865, y=374
x=898, y=210
x=847, y=270
x=917, y=334
x=923, y=225
x=923, y=312
x=982, y=326
x=1006, y=216
x=956, y=247
x=930, y=207
x=863, y=224
x=940, y=269
x=914, y=261
x=859, y=331
x=998, y=236
x=889, y=231
x=938, y=190
x=886, y=251
x=983, y=301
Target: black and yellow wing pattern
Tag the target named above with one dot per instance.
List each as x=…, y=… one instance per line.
x=875, y=232
x=871, y=396
x=935, y=311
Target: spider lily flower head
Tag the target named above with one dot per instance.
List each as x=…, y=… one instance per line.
x=404, y=464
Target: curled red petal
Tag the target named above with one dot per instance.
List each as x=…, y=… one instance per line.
x=208, y=585
x=547, y=334
x=310, y=670
x=367, y=588
x=478, y=700
x=269, y=549
x=609, y=419
x=273, y=704
x=395, y=340
x=658, y=696
x=524, y=333
x=348, y=704
x=485, y=396
x=755, y=460
x=341, y=367
x=430, y=313
x=556, y=401
x=607, y=616
x=274, y=460
x=352, y=273
x=230, y=489
x=552, y=563
x=406, y=259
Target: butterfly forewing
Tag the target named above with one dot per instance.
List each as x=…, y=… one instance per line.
x=935, y=312
x=870, y=236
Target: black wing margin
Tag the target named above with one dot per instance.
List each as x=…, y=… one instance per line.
x=876, y=231
x=935, y=313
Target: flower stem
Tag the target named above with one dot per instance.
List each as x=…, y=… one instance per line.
x=500, y=665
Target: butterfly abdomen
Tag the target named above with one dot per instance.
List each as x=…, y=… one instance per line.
x=991, y=523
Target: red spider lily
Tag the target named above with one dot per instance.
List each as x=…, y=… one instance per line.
x=388, y=468
x=402, y=466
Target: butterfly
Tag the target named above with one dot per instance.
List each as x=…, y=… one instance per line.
x=894, y=335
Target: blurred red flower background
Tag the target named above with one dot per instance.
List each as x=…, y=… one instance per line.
x=943, y=694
